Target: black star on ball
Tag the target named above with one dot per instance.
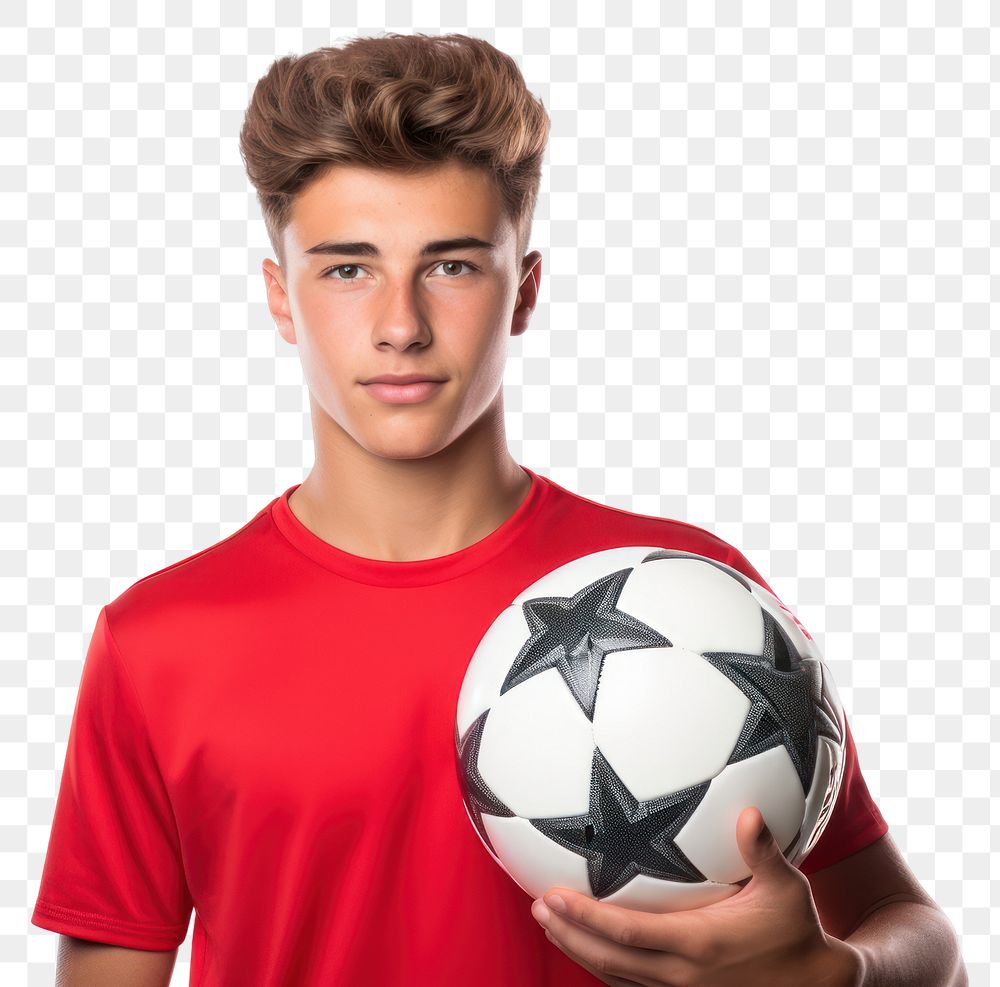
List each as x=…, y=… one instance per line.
x=782, y=711
x=574, y=633
x=622, y=837
x=479, y=797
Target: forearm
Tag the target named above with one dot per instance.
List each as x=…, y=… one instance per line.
x=909, y=944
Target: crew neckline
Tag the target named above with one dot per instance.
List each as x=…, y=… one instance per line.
x=413, y=572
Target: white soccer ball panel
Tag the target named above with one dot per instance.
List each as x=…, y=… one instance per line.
x=768, y=781
x=537, y=749
x=569, y=579
x=649, y=721
x=489, y=666
x=695, y=605
x=821, y=799
x=648, y=894
x=479, y=835
x=831, y=697
x=534, y=861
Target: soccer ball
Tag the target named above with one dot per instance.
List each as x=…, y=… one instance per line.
x=618, y=716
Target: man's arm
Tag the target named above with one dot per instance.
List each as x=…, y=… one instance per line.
x=874, y=902
x=907, y=943
x=82, y=963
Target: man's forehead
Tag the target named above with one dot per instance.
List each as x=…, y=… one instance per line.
x=438, y=185
x=389, y=212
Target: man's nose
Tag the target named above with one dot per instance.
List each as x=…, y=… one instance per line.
x=403, y=318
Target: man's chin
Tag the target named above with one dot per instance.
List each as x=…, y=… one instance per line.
x=405, y=447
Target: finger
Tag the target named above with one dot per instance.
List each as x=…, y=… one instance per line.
x=648, y=967
x=605, y=978
x=671, y=932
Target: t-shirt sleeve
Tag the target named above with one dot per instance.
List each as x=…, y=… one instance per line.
x=855, y=821
x=113, y=871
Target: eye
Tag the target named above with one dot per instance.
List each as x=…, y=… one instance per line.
x=457, y=263
x=345, y=267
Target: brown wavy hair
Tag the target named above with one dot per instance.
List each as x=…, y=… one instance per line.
x=395, y=101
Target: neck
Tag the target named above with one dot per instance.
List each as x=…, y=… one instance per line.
x=400, y=510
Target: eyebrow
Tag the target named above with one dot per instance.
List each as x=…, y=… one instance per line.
x=365, y=249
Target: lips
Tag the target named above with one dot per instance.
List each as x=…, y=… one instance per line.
x=403, y=379
x=404, y=393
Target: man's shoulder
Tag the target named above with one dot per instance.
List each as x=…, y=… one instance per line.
x=600, y=526
x=618, y=523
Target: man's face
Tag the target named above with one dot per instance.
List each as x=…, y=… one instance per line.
x=355, y=315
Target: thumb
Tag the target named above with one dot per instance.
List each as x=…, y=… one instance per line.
x=757, y=845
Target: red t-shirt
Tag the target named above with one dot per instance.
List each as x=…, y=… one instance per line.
x=264, y=733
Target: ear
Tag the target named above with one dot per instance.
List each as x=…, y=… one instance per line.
x=277, y=300
x=527, y=292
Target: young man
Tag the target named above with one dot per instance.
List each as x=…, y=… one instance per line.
x=265, y=730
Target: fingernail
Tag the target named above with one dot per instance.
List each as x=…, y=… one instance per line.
x=556, y=903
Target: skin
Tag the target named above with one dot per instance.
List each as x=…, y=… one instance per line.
x=404, y=482
x=81, y=963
